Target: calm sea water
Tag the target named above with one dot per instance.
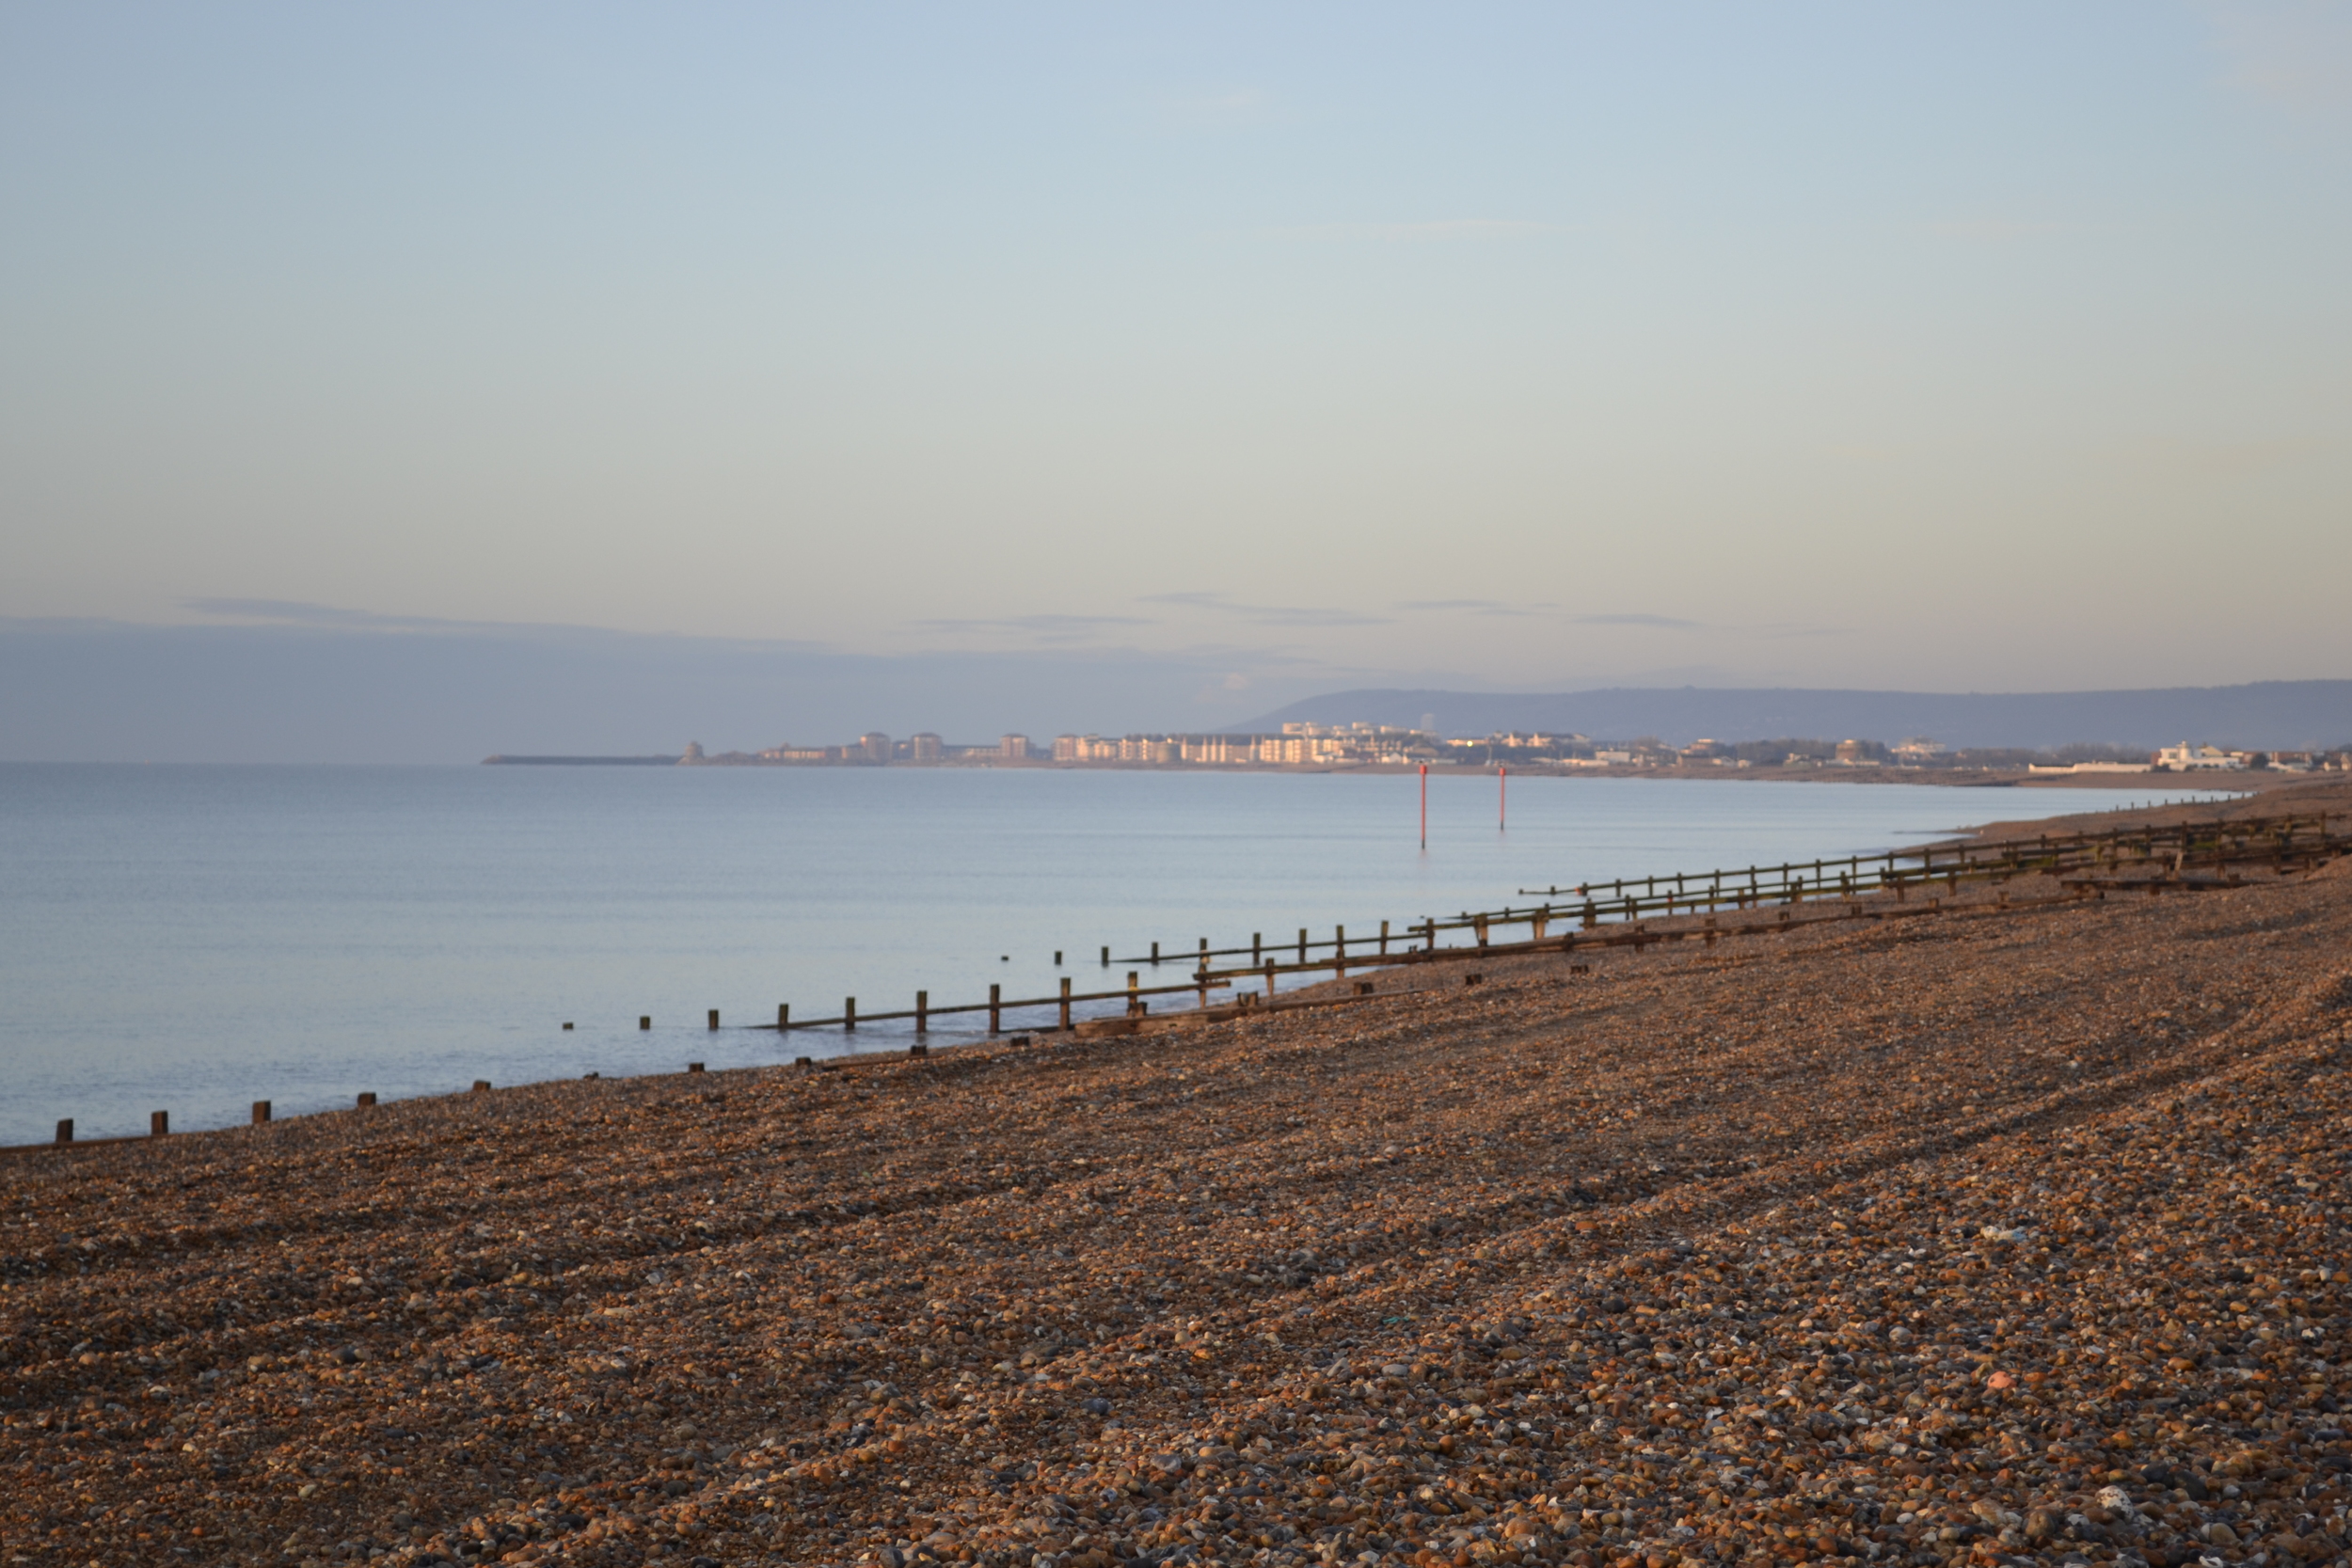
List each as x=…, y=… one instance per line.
x=194, y=938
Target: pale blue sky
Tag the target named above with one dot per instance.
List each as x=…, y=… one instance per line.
x=1996, y=346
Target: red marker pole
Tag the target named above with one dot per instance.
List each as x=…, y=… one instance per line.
x=1424, y=805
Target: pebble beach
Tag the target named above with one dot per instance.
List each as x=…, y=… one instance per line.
x=2013, y=1234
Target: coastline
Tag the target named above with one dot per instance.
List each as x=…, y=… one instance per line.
x=1605, y=1265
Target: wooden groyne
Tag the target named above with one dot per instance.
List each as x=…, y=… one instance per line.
x=1624, y=912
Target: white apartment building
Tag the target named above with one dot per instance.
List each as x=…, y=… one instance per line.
x=2186, y=758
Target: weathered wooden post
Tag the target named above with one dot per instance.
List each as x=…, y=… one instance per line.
x=997, y=1009
x=1302, y=944
x=784, y=1016
x=1269, y=982
x=1338, y=951
x=1065, y=1001
x=922, y=1012
x=1131, y=997
x=1155, y=952
x=64, y=1129
x=1106, y=957
x=1202, y=977
x=1384, y=939
x=645, y=1023
x=848, y=1014
x=693, y=1067
x=481, y=1085
x=1254, y=950
x=714, y=1019
x=158, y=1124
x=367, y=1101
x=260, y=1112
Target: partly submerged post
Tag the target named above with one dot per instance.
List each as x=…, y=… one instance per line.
x=714, y=1019
x=784, y=1016
x=997, y=1009
x=1065, y=1001
x=1269, y=982
x=1131, y=997
x=645, y=1022
x=848, y=1014
x=922, y=1012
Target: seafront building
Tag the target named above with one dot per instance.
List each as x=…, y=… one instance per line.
x=1325, y=746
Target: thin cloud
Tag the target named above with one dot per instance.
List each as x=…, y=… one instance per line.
x=1267, y=615
x=298, y=611
x=1635, y=618
x=1045, y=629
x=1482, y=607
x=2291, y=55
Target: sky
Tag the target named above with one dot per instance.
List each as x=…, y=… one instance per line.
x=1942, y=346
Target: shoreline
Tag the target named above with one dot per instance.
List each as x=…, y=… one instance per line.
x=1867, y=1233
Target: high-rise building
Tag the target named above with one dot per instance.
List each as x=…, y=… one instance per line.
x=1013, y=748
x=925, y=746
x=874, y=746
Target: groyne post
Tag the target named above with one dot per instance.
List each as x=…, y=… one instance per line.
x=784, y=1016
x=645, y=1022
x=922, y=1012
x=997, y=1009
x=848, y=1014
x=714, y=1019
x=64, y=1129
x=1132, y=998
x=260, y=1112
x=1065, y=999
x=158, y=1124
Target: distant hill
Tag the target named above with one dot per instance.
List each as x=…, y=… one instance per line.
x=2267, y=714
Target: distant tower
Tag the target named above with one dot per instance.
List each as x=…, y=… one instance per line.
x=693, y=753
x=1014, y=748
x=874, y=746
x=925, y=746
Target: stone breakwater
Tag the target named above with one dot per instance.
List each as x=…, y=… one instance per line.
x=2001, y=1239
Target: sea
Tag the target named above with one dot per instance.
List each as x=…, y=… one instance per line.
x=192, y=940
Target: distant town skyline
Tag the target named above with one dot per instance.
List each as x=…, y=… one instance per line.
x=1941, y=347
